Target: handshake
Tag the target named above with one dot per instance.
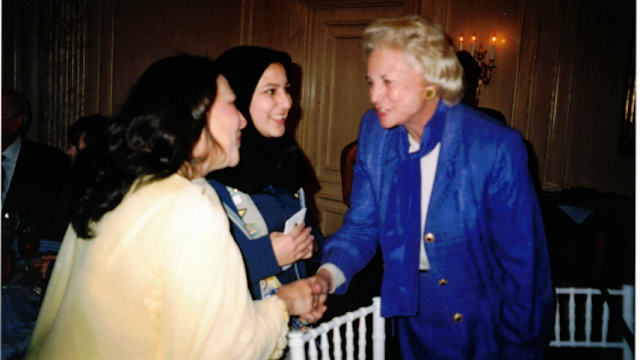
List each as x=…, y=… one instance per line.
x=306, y=297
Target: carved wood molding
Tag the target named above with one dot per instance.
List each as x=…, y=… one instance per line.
x=64, y=64
x=321, y=4
x=246, y=27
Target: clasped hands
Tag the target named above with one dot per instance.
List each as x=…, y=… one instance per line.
x=306, y=297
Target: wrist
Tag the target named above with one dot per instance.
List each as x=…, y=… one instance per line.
x=325, y=275
x=288, y=304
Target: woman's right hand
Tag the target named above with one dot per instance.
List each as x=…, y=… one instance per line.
x=296, y=245
x=303, y=298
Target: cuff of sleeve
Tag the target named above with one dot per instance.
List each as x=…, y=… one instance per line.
x=336, y=274
x=281, y=344
x=260, y=259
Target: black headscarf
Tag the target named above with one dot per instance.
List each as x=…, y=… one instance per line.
x=278, y=162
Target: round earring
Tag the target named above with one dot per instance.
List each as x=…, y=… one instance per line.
x=430, y=93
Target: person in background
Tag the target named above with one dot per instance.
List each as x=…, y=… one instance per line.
x=33, y=174
x=265, y=189
x=445, y=190
x=86, y=130
x=148, y=268
x=472, y=82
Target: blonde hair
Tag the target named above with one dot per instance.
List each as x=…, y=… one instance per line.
x=424, y=42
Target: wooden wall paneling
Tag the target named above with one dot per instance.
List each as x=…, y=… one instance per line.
x=526, y=70
x=335, y=94
x=102, y=54
x=548, y=92
x=20, y=49
x=247, y=11
x=524, y=90
x=93, y=59
x=434, y=10
x=63, y=68
x=486, y=17
x=299, y=34
x=11, y=14
x=273, y=23
x=146, y=31
x=344, y=94
x=559, y=131
x=598, y=95
x=332, y=214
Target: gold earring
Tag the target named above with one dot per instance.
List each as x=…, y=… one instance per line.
x=430, y=93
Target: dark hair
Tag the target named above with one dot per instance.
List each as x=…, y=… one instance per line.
x=19, y=105
x=472, y=74
x=151, y=137
x=92, y=126
x=277, y=162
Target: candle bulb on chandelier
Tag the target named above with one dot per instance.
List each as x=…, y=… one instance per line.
x=493, y=46
x=473, y=43
x=461, y=41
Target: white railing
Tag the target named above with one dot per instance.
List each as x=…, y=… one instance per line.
x=627, y=294
x=299, y=342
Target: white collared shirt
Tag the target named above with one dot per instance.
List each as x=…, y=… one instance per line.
x=9, y=164
x=428, y=167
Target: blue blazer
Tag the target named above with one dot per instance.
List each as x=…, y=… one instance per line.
x=276, y=206
x=489, y=236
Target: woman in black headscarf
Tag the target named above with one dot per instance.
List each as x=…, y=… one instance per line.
x=265, y=189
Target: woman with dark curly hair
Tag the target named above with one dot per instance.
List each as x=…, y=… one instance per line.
x=148, y=268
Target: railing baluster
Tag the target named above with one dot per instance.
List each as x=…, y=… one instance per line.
x=627, y=294
x=556, y=328
x=298, y=341
x=313, y=350
x=588, y=317
x=605, y=323
x=362, y=339
x=296, y=345
x=627, y=315
x=350, y=348
x=324, y=346
x=572, y=317
x=378, y=335
x=337, y=344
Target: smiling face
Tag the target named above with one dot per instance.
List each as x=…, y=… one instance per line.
x=224, y=123
x=271, y=102
x=397, y=89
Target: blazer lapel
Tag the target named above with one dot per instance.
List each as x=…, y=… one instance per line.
x=21, y=172
x=447, y=179
x=390, y=155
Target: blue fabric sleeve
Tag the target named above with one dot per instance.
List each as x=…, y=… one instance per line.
x=517, y=235
x=356, y=242
x=259, y=257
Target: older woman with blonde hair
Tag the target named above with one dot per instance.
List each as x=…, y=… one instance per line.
x=446, y=193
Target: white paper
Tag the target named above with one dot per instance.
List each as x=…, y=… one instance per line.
x=294, y=220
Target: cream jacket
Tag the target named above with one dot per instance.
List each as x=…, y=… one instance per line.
x=163, y=279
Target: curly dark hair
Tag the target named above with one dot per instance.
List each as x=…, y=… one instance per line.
x=149, y=139
x=92, y=126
